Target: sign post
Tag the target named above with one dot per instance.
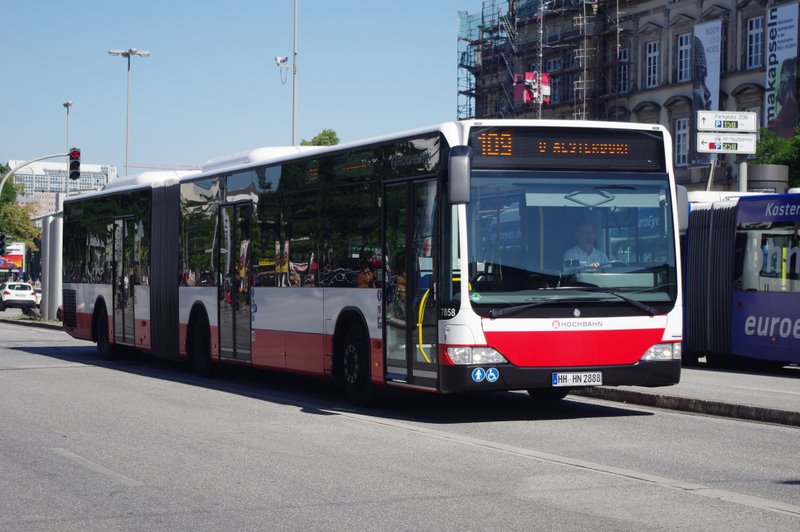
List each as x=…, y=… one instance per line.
x=726, y=132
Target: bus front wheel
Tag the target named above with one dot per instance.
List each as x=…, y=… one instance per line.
x=355, y=368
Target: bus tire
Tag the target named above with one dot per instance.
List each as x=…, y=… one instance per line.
x=543, y=395
x=355, y=367
x=104, y=346
x=200, y=348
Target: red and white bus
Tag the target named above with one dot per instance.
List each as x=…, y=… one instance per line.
x=433, y=259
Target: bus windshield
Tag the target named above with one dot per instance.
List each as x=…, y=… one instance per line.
x=544, y=239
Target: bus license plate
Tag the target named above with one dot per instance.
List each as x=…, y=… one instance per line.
x=589, y=378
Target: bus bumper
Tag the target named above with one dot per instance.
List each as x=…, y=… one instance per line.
x=455, y=379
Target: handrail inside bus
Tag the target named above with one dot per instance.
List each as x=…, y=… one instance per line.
x=420, y=315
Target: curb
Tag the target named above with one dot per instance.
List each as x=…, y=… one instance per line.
x=697, y=406
x=33, y=323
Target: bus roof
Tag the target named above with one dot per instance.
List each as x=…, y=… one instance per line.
x=713, y=196
x=456, y=134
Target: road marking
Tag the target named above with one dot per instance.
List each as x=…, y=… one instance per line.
x=664, y=482
x=48, y=366
x=97, y=468
x=767, y=390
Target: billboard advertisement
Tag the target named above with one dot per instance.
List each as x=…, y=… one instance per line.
x=707, y=48
x=780, y=94
x=14, y=259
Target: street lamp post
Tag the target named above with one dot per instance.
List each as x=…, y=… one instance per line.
x=280, y=61
x=127, y=54
x=67, y=105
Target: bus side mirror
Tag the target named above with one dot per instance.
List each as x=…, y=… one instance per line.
x=682, y=200
x=459, y=165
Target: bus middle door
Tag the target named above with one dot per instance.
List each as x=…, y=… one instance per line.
x=410, y=315
x=123, y=281
x=235, y=290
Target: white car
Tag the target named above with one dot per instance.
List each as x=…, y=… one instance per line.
x=17, y=295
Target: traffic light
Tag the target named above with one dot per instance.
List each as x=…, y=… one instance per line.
x=75, y=163
x=2, y=243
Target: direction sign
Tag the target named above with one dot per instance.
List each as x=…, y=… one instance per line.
x=726, y=142
x=724, y=121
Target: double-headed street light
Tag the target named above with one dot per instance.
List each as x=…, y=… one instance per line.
x=127, y=54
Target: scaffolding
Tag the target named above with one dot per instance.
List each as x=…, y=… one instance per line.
x=487, y=61
x=518, y=40
x=584, y=53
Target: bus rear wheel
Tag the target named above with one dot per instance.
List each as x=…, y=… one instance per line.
x=104, y=346
x=355, y=368
x=201, y=349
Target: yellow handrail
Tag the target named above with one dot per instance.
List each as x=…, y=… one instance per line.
x=420, y=315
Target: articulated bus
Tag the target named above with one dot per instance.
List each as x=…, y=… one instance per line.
x=743, y=280
x=432, y=260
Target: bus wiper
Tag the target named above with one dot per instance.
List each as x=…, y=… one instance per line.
x=638, y=304
x=500, y=312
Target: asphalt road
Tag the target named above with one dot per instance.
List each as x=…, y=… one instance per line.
x=142, y=445
x=771, y=397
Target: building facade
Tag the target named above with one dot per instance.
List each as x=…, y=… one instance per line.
x=651, y=61
x=43, y=181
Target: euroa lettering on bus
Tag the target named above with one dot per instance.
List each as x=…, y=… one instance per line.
x=770, y=325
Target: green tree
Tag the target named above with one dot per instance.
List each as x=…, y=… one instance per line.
x=15, y=219
x=772, y=149
x=326, y=137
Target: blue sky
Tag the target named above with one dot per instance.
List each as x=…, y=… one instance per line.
x=211, y=86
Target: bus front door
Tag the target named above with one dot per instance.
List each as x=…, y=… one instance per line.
x=123, y=281
x=234, y=290
x=410, y=316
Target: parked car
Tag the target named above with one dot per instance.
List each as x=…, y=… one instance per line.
x=14, y=294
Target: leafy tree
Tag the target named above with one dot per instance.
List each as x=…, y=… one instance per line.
x=9, y=191
x=326, y=137
x=772, y=149
x=15, y=219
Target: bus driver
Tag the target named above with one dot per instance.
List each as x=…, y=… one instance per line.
x=585, y=254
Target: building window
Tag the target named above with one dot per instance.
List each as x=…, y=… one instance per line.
x=651, y=65
x=681, y=141
x=551, y=66
x=555, y=89
x=571, y=78
x=684, y=55
x=755, y=39
x=623, y=72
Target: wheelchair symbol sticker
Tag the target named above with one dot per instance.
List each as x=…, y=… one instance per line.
x=492, y=374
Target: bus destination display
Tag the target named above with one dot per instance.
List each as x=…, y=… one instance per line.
x=564, y=149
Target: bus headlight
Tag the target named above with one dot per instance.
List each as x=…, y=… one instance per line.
x=666, y=351
x=467, y=355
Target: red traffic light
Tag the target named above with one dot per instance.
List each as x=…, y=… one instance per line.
x=74, y=163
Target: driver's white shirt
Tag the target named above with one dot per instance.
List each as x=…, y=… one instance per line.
x=583, y=258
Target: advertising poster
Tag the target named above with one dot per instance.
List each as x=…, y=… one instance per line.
x=14, y=259
x=780, y=95
x=707, y=48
